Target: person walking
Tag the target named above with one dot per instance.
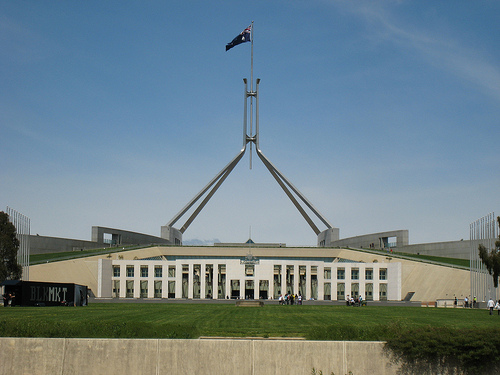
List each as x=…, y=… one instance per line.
x=490, y=305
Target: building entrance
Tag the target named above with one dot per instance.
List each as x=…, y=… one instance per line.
x=249, y=289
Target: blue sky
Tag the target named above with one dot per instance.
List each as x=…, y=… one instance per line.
x=384, y=114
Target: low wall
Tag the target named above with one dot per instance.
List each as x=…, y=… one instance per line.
x=44, y=245
x=208, y=356
x=450, y=249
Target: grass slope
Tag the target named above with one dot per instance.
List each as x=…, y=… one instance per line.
x=193, y=320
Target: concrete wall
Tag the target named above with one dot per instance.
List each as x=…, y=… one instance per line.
x=173, y=235
x=207, y=356
x=450, y=249
x=124, y=237
x=328, y=236
x=44, y=245
x=377, y=240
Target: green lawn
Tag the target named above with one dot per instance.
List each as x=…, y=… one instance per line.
x=170, y=320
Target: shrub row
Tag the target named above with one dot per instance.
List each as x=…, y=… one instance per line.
x=444, y=350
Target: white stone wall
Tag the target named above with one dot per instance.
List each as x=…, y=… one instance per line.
x=235, y=270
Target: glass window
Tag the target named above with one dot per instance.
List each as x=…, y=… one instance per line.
x=158, y=289
x=328, y=273
x=369, y=274
x=303, y=280
x=277, y=281
x=116, y=271
x=369, y=292
x=221, y=275
x=340, y=273
x=290, y=277
x=130, y=271
x=144, y=271
x=144, y=289
x=340, y=291
x=354, y=290
x=383, y=292
x=383, y=274
x=355, y=273
x=130, y=289
x=171, y=271
x=327, y=289
x=171, y=289
x=116, y=288
x=158, y=271
x=196, y=280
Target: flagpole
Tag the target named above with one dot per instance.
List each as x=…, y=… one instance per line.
x=251, y=62
x=251, y=90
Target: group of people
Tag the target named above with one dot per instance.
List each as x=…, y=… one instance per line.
x=468, y=302
x=290, y=299
x=9, y=299
x=351, y=301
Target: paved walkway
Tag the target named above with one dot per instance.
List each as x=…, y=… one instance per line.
x=233, y=302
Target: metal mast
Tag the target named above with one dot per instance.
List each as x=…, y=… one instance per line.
x=248, y=137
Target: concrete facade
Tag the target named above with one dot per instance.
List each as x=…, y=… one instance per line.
x=41, y=356
x=247, y=277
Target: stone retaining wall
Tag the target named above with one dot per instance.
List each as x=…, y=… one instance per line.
x=203, y=356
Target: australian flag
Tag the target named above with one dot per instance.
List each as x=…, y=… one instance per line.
x=244, y=36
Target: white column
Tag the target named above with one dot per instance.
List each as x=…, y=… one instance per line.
x=151, y=281
x=203, y=281
x=362, y=281
x=376, y=282
x=242, y=288
x=270, y=293
x=178, y=280
x=334, y=282
x=190, y=281
x=308, y=283
x=164, y=280
x=215, y=283
x=228, y=283
x=137, y=280
x=296, y=278
x=321, y=282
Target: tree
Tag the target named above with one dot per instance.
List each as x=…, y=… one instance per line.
x=491, y=259
x=9, y=245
